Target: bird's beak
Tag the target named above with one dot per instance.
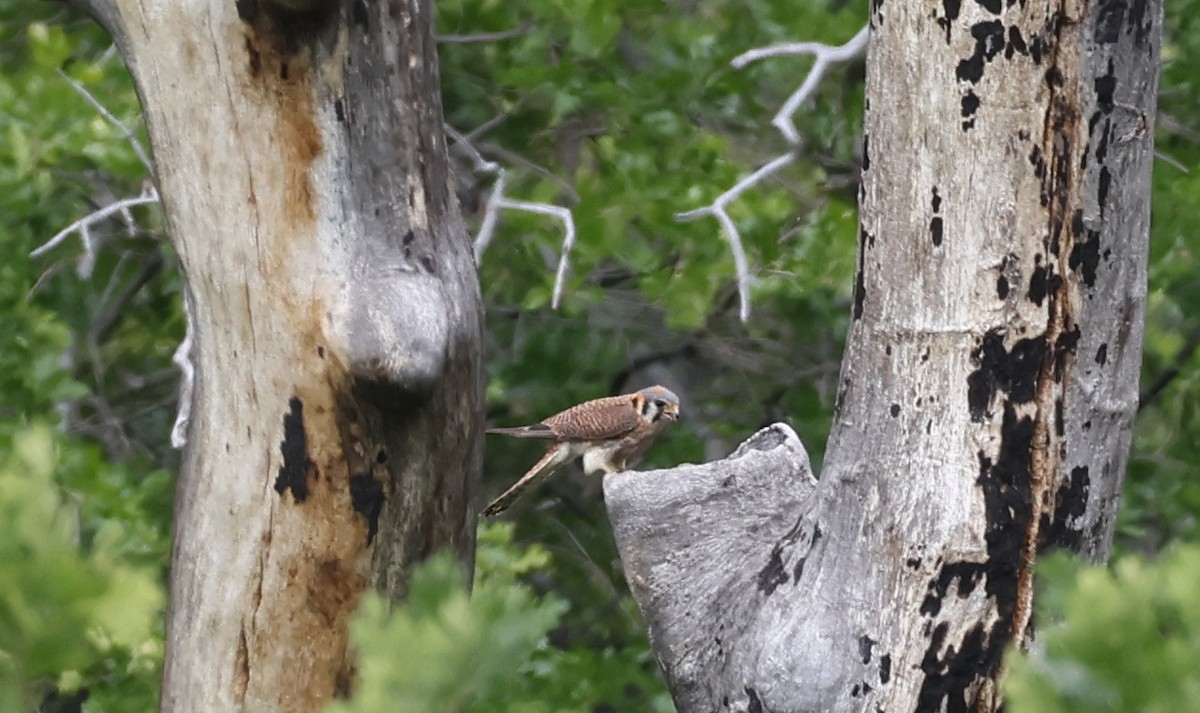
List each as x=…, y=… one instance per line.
x=673, y=415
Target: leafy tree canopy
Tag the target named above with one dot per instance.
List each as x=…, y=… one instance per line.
x=627, y=113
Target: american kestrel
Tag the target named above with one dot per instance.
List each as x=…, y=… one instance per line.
x=611, y=434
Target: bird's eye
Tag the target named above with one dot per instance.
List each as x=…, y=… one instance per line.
x=660, y=404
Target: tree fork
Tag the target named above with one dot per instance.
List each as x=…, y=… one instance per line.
x=988, y=387
x=335, y=437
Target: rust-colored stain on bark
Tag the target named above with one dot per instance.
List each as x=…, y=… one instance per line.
x=333, y=591
x=278, y=62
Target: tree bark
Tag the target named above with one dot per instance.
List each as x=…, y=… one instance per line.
x=988, y=387
x=335, y=437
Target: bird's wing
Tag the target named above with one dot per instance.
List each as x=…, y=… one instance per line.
x=537, y=430
x=557, y=456
x=596, y=420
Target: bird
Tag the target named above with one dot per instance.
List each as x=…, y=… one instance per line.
x=611, y=434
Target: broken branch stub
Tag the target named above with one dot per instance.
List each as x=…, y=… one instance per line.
x=699, y=547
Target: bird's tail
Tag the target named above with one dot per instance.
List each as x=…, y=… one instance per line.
x=556, y=457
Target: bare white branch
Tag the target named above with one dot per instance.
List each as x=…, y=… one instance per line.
x=129, y=134
x=497, y=201
x=1171, y=161
x=484, y=36
x=568, y=221
x=729, y=229
x=183, y=359
x=824, y=57
x=84, y=225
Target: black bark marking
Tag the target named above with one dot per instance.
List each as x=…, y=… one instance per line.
x=894, y=410
x=1102, y=189
x=936, y=202
x=1105, y=138
x=860, y=291
x=247, y=10
x=1106, y=86
x=1064, y=347
x=992, y=6
x=965, y=574
x=951, y=9
x=913, y=563
x=865, y=644
x=1038, y=280
x=1070, y=503
x=1016, y=43
x=1141, y=21
x=1054, y=80
x=885, y=669
x=1038, y=48
x=427, y=263
x=755, y=705
x=1014, y=371
x=366, y=495
x=1102, y=354
x=1007, y=493
x=339, y=110
x=773, y=574
x=361, y=18
x=1109, y=19
x=970, y=103
x=1085, y=257
x=254, y=58
x=408, y=239
x=989, y=42
x=935, y=231
x=1002, y=287
x=293, y=473
x=382, y=456
x=948, y=678
x=866, y=160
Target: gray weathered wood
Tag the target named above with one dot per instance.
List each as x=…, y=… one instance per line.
x=731, y=508
x=335, y=435
x=988, y=386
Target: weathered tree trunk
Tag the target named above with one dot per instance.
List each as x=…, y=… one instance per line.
x=335, y=434
x=988, y=386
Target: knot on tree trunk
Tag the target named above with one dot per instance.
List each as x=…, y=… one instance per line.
x=698, y=545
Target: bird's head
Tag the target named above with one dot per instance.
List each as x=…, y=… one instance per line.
x=657, y=402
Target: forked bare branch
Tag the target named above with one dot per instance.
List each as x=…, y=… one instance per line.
x=824, y=57
x=84, y=225
x=497, y=201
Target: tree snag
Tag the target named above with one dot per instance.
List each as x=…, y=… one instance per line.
x=335, y=436
x=988, y=387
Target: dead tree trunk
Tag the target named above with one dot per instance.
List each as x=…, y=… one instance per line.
x=335, y=433
x=988, y=389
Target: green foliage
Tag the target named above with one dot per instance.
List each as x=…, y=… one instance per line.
x=1125, y=638
x=444, y=651
x=69, y=614
x=628, y=113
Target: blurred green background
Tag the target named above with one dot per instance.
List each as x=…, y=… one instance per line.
x=627, y=112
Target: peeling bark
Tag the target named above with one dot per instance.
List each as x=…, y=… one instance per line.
x=988, y=387
x=335, y=436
